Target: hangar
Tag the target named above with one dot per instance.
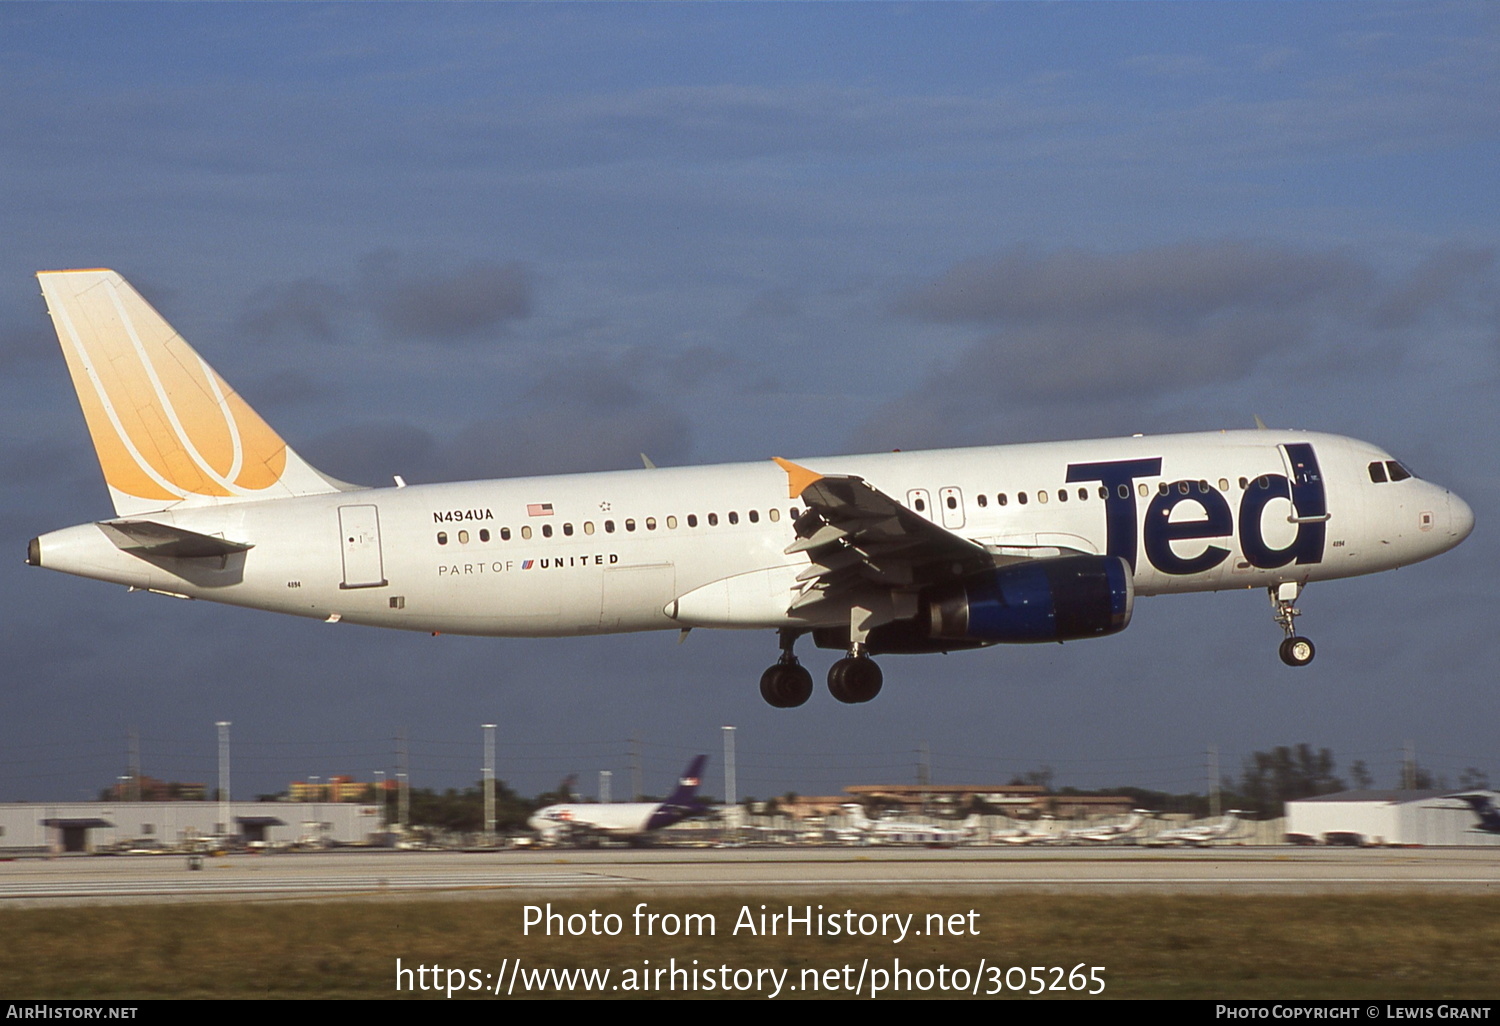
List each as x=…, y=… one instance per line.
x=1427, y=818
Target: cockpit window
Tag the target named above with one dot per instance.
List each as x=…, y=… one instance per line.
x=1398, y=472
x=1377, y=472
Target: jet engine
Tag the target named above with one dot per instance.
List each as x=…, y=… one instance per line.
x=1061, y=599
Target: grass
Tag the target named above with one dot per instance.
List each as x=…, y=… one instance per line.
x=1152, y=946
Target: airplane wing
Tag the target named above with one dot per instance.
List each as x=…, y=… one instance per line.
x=857, y=536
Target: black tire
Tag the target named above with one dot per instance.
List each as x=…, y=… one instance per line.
x=786, y=687
x=855, y=680
x=1297, y=651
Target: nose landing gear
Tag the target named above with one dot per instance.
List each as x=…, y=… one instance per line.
x=1295, y=650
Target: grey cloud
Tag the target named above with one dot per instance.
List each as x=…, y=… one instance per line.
x=1443, y=275
x=1170, y=283
x=452, y=306
x=370, y=453
x=589, y=416
x=1075, y=338
x=296, y=310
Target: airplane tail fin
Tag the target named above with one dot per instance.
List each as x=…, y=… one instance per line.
x=687, y=784
x=167, y=429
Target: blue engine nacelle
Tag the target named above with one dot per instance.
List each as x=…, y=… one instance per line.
x=1062, y=599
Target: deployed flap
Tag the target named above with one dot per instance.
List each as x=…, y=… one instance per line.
x=857, y=536
x=146, y=538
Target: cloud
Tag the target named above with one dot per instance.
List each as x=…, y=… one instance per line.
x=453, y=306
x=405, y=304
x=293, y=311
x=589, y=415
x=1076, y=340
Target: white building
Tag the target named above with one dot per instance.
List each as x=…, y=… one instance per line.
x=1427, y=818
x=107, y=826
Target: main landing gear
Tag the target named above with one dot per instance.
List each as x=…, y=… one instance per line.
x=1295, y=650
x=787, y=684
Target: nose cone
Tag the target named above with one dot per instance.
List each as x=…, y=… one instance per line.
x=1460, y=519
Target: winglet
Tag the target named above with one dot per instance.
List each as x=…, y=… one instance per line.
x=797, y=478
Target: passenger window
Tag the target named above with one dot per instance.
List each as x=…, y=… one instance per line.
x=1223, y=484
x=920, y=506
x=609, y=527
x=1124, y=491
x=505, y=534
x=713, y=520
x=1144, y=489
x=1041, y=496
x=546, y=530
x=1263, y=481
x=442, y=537
x=692, y=520
x=1021, y=498
x=1083, y=494
x=1001, y=500
x=630, y=525
x=774, y=514
x=754, y=516
x=1202, y=487
x=484, y=534
x=952, y=502
x=1062, y=495
x=526, y=532
x=1163, y=488
x=671, y=523
x=1103, y=492
x=792, y=512
x=982, y=499
x=588, y=527
x=1244, y=484
x=1182, y=487
x=734, y=517
x=650, y=523
x=463, y=537
x=568, y=530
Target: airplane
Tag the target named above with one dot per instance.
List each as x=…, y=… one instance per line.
x=892, y=553
x=888, y=831
x=1200, y=835
x=1483, y=804
x=585, y=821
x=1110, y=833
x=1043, y=831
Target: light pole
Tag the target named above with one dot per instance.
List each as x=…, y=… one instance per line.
x=223, y=830
x=489, y=780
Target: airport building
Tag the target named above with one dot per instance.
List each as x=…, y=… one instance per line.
x=1425, y=818
x=59, y=827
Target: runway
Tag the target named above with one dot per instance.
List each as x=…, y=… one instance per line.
x=557, y=873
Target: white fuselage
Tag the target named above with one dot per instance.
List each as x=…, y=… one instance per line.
x=705, y=546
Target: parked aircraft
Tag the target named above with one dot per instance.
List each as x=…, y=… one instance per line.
x=904, y=552
x=1043, y=831
x=1199, y=835
x=890, y=831
x=1483, y=804
x=572, y=822
x=1108, y=833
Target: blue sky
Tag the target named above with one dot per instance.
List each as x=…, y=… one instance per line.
x=488, y=239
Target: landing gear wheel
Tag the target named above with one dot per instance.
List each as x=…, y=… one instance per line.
x=786, y=685
x=1297, y=651
x=854, y=680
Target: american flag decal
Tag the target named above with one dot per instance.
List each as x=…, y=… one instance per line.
x=539, y=509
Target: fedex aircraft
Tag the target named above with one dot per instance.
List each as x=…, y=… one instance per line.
x=583, y=821
x=902, y=552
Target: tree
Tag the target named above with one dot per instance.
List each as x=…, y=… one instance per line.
x=1271, y=779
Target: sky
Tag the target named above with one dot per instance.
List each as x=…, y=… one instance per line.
x=483, y=240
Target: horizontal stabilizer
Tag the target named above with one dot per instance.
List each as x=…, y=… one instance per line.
x=145, y=538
